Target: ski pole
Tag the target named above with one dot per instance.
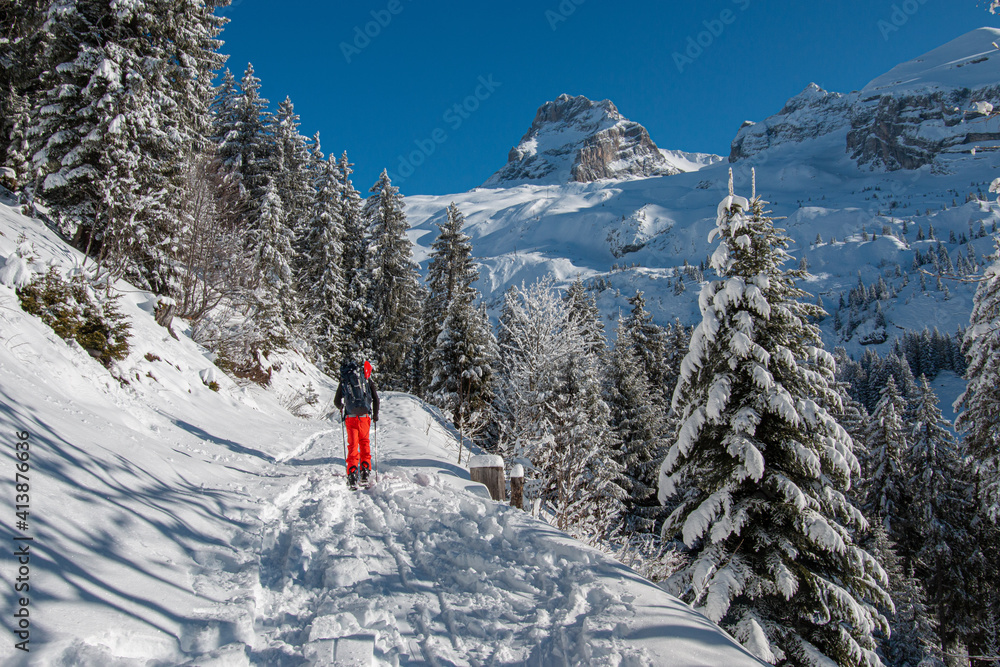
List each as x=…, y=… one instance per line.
x=343, y=431
x=376, y=451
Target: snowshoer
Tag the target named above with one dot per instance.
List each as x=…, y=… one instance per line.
x=357, y=401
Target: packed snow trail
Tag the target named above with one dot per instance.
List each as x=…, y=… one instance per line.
x=425, y=569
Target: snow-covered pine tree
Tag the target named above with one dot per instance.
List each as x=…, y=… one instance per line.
x=321, y=278
x=457, y=342
x=21, y=65
x=759, y=469
x=291, y=171
x=639, y=422
x=885, y=472
x=650, y=346
x=270, y=243
x=913, y=640
x=938, y=516
x=979, y=419
x=241, y=135
x=101, y=104
x=395, y=295
x=463, y=361
x=451, y=274
x=358, y=314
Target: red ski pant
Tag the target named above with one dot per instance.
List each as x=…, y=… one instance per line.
x=358, y=445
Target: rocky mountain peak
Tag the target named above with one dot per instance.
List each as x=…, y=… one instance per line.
x=575, y=139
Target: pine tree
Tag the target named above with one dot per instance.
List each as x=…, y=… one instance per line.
x=912, y=641
x=21, y=63
x=101, y=115
x=651, y=346
x=395, y=293
x=463, y=361
x=759, y=469
x=291, y=168
x=358, y=313
x=885, y=474
x=270, y=243
x=460, y=349
x=321, y=279
x=979, y=419
x=939, y=517
x=242, y=136
x=451, y=274
x=640, y=424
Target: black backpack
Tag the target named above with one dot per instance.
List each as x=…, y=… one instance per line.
x=357, y=397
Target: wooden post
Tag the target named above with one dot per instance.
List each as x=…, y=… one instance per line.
x=488, y=470
x=517, y=486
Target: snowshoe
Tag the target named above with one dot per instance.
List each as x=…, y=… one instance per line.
x=365, y=472
x=352, y=479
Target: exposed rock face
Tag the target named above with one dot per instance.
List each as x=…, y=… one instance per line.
x=908, y=131
x=914, y=115
x=575, y=139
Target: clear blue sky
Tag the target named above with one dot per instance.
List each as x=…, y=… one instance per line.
x=402, y=86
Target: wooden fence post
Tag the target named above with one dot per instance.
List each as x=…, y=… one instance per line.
x=517, y=486
x=488, y=469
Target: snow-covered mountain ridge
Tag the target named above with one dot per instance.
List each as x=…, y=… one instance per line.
x=176, y=523
x=849, y=222
x=918, y=113
x=573, y=139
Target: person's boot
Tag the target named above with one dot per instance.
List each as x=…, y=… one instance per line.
x=352, y=477
x=365, y=470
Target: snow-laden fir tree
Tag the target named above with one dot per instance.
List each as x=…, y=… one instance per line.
x=913, y=640
x=451, y=274
x=355, y=265
x=553, y=416
x=104, y=104
x=395, y=293
x=458, y=343
x=21, y=65
x=886, y=477
x=651, y=344
x=979, y=418
x=270, y=244
x=638, y=419
x=758, y=472
x=290, y=169
x=938, y=515
x=463, y=361
x=241, y=134
x=321, y=278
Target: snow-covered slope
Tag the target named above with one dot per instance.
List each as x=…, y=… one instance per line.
x=573, y=139
x=970, y=61
x=173, y=524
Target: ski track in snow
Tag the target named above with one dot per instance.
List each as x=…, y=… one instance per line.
x=425, y=575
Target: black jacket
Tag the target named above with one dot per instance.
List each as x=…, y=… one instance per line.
x=338, y=399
